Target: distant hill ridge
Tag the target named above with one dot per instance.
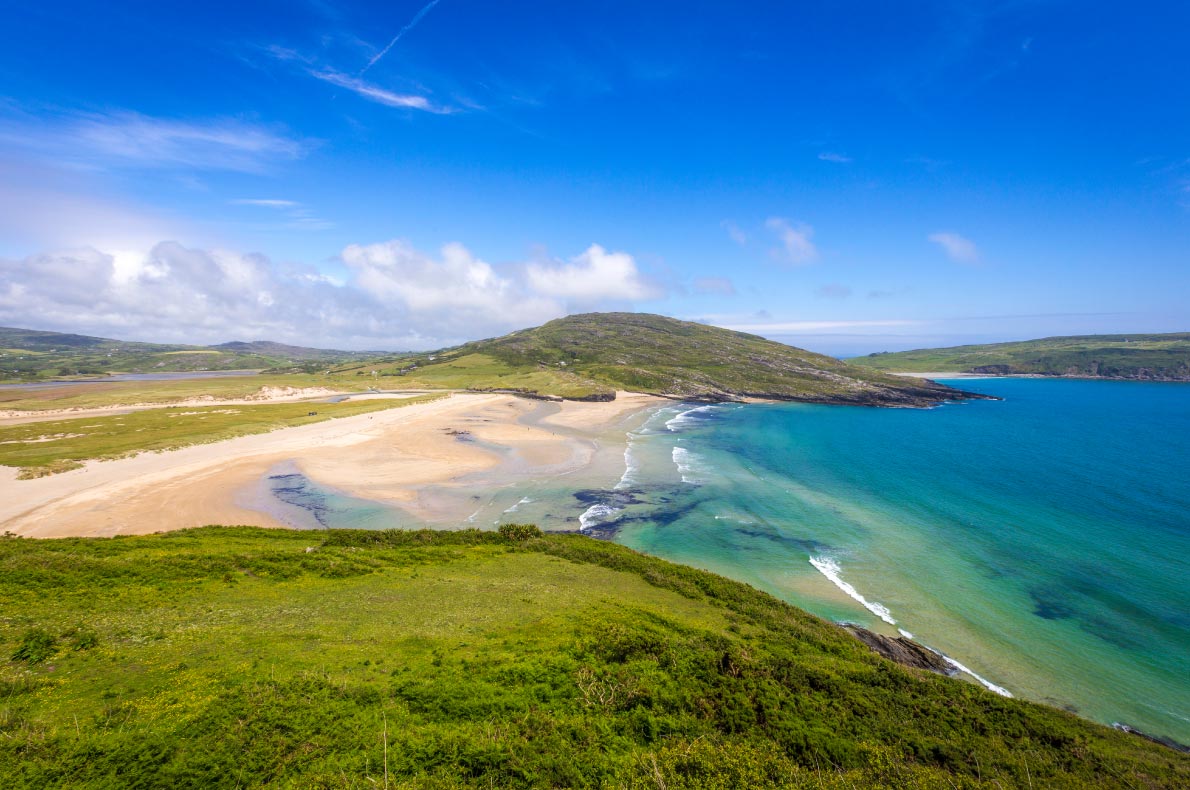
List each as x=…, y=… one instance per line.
x=1146, y=357
x=31, y=354
x=590, y=356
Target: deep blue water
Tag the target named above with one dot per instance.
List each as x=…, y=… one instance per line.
x=1042, y=541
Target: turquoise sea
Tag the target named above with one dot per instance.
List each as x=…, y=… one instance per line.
x=1042, y=541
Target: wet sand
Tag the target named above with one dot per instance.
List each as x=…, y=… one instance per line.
x=388, y=456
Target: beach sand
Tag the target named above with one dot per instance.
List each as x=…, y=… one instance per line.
x=388, y=456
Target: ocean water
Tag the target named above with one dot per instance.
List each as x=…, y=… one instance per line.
x=1042, y=542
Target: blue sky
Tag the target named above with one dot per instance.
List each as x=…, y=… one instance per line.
x=846, y=176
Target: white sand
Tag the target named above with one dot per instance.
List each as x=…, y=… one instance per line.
x=386, y=455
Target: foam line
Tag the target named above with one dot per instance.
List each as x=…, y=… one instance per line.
x=830, y=569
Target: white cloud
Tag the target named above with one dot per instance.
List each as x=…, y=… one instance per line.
x=128, y=139
x=594, y=276
x=796, y=247
x=735, y=232
x=377, y=94
x=714, y=285
x=394, y=296
x=956, y=247
x=839, y=159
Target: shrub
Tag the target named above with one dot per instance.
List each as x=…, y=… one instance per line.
x=83, y=639
x=37, y=645
x=519, y=532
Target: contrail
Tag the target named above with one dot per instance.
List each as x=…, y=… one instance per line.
x=412, y=24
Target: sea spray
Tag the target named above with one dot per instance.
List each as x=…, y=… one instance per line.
x=690, y=466
x=523, y=501
x=595, y=515
x=830, y=569
x=689, y=418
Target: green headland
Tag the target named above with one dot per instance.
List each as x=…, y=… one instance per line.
x=590, y=356
x=1145, y=357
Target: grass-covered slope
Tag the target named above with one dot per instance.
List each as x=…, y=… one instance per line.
x=592, y=355
x=30, y=355
x=1148, y=357
x=244, y=658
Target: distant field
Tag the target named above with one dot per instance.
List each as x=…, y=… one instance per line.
x=47, y=447
x=479, y=371
x=91, y=395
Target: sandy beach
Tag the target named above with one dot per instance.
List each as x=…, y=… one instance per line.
x=387, y=456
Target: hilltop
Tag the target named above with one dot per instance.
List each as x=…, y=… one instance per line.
x=1164, y=357
x=237, y=657
x=31, y=355
x=590, y=356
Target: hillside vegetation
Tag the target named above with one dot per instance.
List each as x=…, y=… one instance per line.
x=591, y=356
x=237, y=657
x=1146, y=357
x=31, y=355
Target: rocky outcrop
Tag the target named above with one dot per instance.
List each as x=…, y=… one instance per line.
x=902, y=650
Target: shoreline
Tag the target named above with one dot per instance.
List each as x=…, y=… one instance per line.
x=389, y=456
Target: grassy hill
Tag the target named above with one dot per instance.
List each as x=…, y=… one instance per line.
x=590, y=356
x=30, y=355
x=237, y=657
x=1146, y=357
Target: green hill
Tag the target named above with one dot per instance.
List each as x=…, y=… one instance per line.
x=590, y=356
x=32, y=355
x=1145, y=357
x=237, y=657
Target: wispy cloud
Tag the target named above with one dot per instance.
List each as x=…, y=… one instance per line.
x=958, y=248
x=796, y=247
x=736, y=233
x=265, y=202
x=377, y=94
x=297, y=216
x=129, y=139
x=411, y=24
x=830, y=156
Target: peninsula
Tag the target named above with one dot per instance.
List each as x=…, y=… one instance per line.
x=1163, y=357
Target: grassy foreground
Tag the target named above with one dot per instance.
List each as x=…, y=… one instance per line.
x=46, y=447
x=237, y=657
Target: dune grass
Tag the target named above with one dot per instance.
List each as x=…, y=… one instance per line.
x=237, y=657
x=41, y=448
x=91, y=395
